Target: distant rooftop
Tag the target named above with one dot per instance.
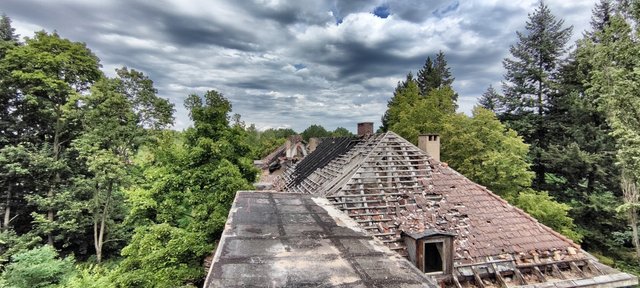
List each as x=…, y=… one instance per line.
x=293, y=240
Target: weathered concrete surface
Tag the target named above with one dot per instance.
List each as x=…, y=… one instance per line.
x=289, y=240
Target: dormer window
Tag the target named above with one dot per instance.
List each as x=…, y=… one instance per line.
x=431, y=251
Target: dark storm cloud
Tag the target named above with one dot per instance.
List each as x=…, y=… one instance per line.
x=293, y=63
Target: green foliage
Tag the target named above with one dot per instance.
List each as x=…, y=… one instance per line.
x=264, y=142
x=530, y=81
x=549, y=212
x=11, y=244
x=491, y=100
x=483, y=149
x=435, y=75
x=37, y=267
x=315, y=131
x=341, y=132
x=49, y=72
x=161, y=255
x=92, y=276
x=416, y=115
x=183, y=204
x=7, y=32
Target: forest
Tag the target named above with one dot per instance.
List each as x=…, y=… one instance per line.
x=99, y=191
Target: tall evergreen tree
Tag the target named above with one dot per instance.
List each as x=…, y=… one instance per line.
x=425, y=77
x=434, y=74
x=7, y=32
x=491, y=100
x=600, y=18
x=530, y=80
x=616, y=79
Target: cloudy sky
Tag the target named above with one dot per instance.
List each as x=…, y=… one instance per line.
x=299, y=62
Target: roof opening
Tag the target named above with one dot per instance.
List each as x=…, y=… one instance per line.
x=431, y=251
x=433, y=257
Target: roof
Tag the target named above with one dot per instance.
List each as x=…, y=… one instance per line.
x=390, y=186
x=293, y=240
x=427, y=233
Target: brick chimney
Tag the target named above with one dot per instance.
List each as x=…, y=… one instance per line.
x=430, y=143
x=365, y=128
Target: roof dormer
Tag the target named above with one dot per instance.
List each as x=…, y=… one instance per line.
x=430, y=250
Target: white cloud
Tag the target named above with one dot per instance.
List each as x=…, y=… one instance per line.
x=294, y=63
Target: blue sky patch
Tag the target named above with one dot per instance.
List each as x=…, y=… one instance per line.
x=382, y=11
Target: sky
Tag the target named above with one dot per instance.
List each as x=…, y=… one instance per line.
x=291, y=64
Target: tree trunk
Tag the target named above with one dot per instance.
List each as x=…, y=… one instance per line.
x=539, y=168
x=7, y=210
x=631, y=197
x=56, y=180
x=633, y=221
x=98, y=234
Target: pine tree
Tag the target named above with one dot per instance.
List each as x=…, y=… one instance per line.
x=529, y=80
x=7, y=32
x=491, y=100
x=600, y=18
x=425, y=75
x=434, y=74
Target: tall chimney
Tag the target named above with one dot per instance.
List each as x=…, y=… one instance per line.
x=365, y=128
x=430, y=143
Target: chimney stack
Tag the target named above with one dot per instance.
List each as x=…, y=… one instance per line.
x=430, y=143
x=365, y=128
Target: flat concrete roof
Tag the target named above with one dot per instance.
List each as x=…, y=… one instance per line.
x=276, y=239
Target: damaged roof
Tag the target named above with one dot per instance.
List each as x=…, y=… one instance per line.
x=293, y=240
x=389, y=186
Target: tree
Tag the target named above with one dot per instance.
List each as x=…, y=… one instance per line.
x=161, y=255
x=600, y=18
x=7, y=32
x=264, y=142
x=22, y=170
x=414, y=115
x=8, y=118
x=434, y=75
x=315, y=131
x=38, y=267
x=341, y=132
x=190, y=185
x=483, y=149
x=391, y=115
x=630, y=207
x=549, y=212
x=114, y=118
x=491, y=100
x=615, y=78
x=150, y=110
x=529, y=80
x=47, y=72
